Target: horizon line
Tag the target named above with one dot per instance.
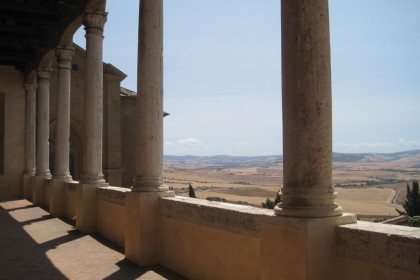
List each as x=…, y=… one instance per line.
x=274, y=155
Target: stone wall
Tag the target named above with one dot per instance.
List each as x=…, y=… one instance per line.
x=11, y=180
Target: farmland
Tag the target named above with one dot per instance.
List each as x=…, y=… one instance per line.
x=367, y=184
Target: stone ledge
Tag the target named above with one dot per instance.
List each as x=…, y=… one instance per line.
x=311, y=223
x=236, y=218
x=390, y=245
x=114, y=195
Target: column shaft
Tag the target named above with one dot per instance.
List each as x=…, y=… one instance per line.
x=42, y=124
x=149, y=163
x=30, y=122
x=62, y=134
x=93, y=107
x=307, y=112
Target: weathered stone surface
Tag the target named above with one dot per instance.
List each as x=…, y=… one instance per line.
x=149, y=148
x=42, y=124
x=62, y=133
x=114, y=195
x=307, y=111
x=235, y=218
x=93, y=99
x=393, y=246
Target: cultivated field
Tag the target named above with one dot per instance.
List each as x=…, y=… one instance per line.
x=368, y=185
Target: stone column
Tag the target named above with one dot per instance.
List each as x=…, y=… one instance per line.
x=92, y=176
x=149, y=153
x=30, y=123
x=142, y=204
x=93, y=108
x=42, y=174
x=307, y=117
x=62, y=135
x=309, y=216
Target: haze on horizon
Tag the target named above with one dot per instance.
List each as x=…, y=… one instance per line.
x=222, y=71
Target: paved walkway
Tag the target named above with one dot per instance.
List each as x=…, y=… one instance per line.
x=34, y=245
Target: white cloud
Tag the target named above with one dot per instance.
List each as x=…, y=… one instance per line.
x=190, y=142
x=409, y=143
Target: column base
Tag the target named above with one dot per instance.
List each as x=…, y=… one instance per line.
x=39, y=191
x=309, y=243
x=86, y=206
x=58, y=197
x=334, y=210
x=142, y=226
x=27, y=186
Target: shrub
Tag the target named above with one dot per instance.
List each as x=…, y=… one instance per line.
x=414, y=221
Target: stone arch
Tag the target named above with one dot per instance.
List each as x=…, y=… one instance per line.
x=76, y=155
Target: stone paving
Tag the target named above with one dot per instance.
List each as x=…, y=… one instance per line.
x=34, y=245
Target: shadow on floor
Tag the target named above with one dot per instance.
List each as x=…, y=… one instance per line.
x=22, y=257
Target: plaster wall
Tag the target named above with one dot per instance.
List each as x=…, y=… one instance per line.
x=111, y=214
x=203, y=241
x=200, y=252
x=11, y=85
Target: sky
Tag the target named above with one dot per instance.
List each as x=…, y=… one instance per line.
x=222, y=73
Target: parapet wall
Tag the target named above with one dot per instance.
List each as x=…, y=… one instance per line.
x=211, y=240
x=111, y=213
x=371, y=250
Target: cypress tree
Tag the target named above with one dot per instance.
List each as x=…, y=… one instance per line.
x=412, y=203
x=191, y=192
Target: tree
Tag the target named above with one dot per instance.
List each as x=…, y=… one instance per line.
x=278, y=199
x=191, y=192
x=412, y=203
x=269, y=204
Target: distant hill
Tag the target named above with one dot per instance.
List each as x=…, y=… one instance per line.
x=226, y=161
x=374, y=157
x=233, y=161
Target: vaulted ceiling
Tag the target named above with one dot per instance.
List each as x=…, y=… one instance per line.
x=29, y=29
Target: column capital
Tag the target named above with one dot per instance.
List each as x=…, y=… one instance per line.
x=64, y=56
x=30, y=87
x=94, y=22
x=43, y=73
